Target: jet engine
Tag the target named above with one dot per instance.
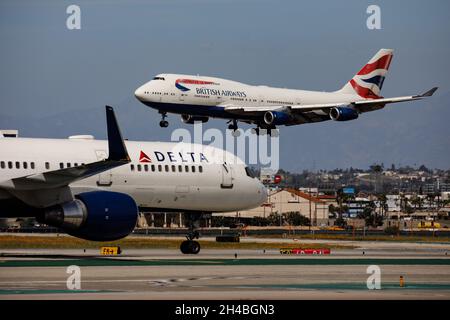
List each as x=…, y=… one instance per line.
x=273, y=118
x=190, y=119
x=96, y=215
x=343, y=114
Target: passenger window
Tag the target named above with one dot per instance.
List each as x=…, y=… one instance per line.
x=186, y=168
x=159, y=167
x=153, y=168
x=180, y=168
x=61, y=165
x=47, y=165
x=68, y=165
x=32, y=165
x=10, y=166
x=167, y=168
x=200, y=169
x=75, y=164
x=25, y=165
x=2, y=164
x=139, y=167
x=173, y=168
x=193, y=168
x=146, y=167
x=17, y=165
x=132, y=167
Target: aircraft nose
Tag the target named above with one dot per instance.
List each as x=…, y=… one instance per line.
x=139, y=93
x=262, y=191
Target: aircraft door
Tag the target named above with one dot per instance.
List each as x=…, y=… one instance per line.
x=104, y=178
x=227, y=176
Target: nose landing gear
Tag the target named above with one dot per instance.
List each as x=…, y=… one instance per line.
x=190, y=246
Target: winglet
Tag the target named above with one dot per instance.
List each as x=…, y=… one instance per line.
x=429, y=93
x=116, y=146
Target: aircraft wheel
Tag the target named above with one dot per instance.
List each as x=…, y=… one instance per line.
x=195, y=247
x=190, y=247
x=163, y=124
x=184, y=247
x=236, y=133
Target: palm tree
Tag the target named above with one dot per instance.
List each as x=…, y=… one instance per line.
x=383, y=204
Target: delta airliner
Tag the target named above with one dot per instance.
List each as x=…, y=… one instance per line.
x=93, y=189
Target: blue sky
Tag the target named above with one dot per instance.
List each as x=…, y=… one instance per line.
x=54, y=82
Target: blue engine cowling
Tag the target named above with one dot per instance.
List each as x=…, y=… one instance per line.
x=276, y=118
x=96, y=215
x=343, y=114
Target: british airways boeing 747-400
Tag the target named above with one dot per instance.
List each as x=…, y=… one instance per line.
x=197, y=98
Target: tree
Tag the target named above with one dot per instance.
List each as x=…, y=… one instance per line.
x=383, y=204
x=431, y=200
x=259, y=221
x=340, y=222
x=296, y=219
x=370, y=216
x=416, y=201
x=337, y=211
x=275, y=219
x=404, y=204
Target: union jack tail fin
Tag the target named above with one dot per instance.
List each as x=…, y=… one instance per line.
x=368, y=82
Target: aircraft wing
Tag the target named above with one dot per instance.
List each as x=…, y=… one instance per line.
x=360, y=105
x=118, y=156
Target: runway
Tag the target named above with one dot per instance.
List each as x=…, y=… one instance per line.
x=217, y=274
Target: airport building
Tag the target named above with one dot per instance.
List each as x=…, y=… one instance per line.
x=279, y=201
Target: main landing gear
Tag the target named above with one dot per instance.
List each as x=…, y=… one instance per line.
x=190, y=246
x=163, y=123
x=232, y=125
x=273, y=132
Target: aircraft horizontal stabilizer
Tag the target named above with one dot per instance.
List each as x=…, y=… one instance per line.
x=429, y=93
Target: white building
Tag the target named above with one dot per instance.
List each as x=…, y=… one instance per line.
x=291, y=200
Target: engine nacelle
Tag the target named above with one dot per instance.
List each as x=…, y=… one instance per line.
x=190, y=119
x=96, y=215
x=276, y=118
x=343, y=114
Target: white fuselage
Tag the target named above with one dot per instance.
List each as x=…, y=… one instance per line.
x=161, y=175
x=208, y=96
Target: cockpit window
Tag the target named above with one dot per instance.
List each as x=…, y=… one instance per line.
x=159, y=78
x=249, y=172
